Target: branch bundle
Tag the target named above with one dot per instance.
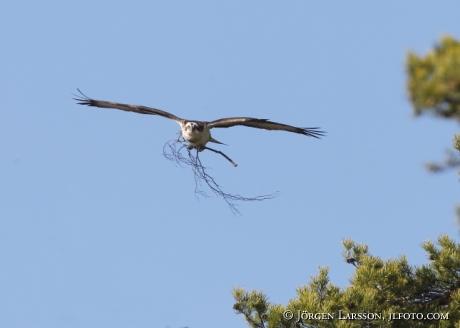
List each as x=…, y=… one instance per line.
x=173, y=150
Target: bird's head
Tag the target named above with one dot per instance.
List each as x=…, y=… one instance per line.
x=193, y=127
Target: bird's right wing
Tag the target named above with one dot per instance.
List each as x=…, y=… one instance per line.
x=266, y=124
x=84, y=100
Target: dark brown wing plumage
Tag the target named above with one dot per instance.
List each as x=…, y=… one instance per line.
x=263, y=124
x=82, y=99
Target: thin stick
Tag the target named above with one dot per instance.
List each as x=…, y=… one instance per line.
x=219, y=152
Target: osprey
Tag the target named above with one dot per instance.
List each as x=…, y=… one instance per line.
x=198, y=133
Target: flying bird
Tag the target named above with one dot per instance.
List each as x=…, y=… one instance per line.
x=198, y=133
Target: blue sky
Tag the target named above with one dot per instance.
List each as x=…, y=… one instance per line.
x=98, y=229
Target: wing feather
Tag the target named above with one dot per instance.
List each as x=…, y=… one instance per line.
x=263, y=124
x=82, y=99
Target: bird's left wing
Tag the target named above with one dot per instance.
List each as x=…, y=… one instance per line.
x=84, y=100
x=263, y=124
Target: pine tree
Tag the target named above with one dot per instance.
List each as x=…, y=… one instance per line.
x=434, y=87
x=382, y=293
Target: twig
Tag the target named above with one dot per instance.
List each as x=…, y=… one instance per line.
x=219, y=152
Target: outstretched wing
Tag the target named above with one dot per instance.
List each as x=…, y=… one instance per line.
x=263, y=124
x=84, y=100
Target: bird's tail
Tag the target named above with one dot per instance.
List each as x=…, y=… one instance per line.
x=211, y=139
